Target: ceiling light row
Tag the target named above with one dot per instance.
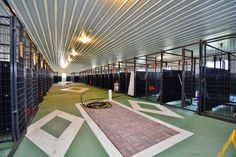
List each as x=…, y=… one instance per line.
x=65, y=62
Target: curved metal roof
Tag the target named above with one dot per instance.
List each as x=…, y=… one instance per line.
x=120, y=29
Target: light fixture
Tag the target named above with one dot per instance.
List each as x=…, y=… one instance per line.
x=63, y=63
x=35, y=58
x=69, y=59
x=41, y=64
x=74, y=53
x=21, y=49
x=84, y=39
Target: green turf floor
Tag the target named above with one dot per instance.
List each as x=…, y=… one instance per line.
x=56, y=126
x=209, y=134
x=152, y=107
x=5, y=148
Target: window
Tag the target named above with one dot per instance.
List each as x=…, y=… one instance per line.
x=167, y=68
x=223, y=65
x=63, y=75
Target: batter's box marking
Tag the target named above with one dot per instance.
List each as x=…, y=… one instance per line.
x=52, y=146
x=163, y=110
x=80, y=90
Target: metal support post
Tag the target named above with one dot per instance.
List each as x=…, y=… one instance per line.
x=146, y=78
x=135, y=77
x=200, y=104
x=13, y=76
x=161, y=77
x=183, y=79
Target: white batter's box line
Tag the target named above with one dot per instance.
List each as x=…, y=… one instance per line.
x=52, y=146
x=80, y=90
x=163, y=110
x=149, y=152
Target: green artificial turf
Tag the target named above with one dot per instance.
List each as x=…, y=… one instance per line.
x=209, y=134
x=5, y=148
x=56, y=126
x=75, y=88
x=146, y=106
x=85, y=142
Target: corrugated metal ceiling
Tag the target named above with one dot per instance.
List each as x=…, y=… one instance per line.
x=3, y=9
x=120, y=29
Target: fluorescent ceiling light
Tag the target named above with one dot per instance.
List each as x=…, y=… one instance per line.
x=84, y=39
x=74, y=53
x=63, y=63
x=69, y=59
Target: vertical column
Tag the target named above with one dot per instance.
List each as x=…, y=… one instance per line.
x=200, y=105
x=13, y=76
x=114, y=72
x=81, y=77
x=95, y=77
x=229, y=64
x=178, y=64
x=135, y=77
x=204, y=77
x=214, y=59
x=126, y=76
x=71, y=77
x=161, y=79
x=119, y=75
x=39, y=78
x=146, y=78
x=192, y=66
x=108, y=77
x=193, y=77
x=101, y=81
x=220, y=62
x=229, y=74
x=155, y=76
x=183, y=79
x=85, y=76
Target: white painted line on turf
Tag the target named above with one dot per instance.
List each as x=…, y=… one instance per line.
x=52, y=146
x=106, y=143
x=163, y=110
x=80, y=90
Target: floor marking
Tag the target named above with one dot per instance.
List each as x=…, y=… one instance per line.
x=80, y=90
x=151, y=151
x=163, y=110
x=106, y=143
x=52, y=146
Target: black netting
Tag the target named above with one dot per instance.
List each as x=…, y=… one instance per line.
x=5, y=93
